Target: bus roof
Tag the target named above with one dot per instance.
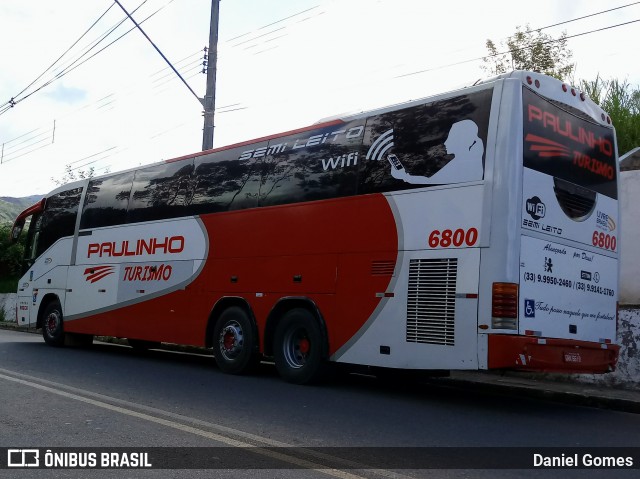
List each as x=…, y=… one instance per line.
x=548, y=86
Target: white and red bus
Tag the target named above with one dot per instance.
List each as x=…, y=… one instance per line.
x=477, y=229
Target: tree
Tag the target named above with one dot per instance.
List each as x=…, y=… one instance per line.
x=622, y=102
x=71, y=175
x=536, y=51
x=530, y=50
x=10, y=253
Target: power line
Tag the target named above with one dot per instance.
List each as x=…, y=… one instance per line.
x=74, y=64
x=109, y=99
x=94, y=43
x=445, y=66
x=515, y=49
x=535, y=29
x=71, y=67
x=588, y=16
x=12, y=101
x=159, y=51
x=271, y=24
x=5, y=160
x=244, y=42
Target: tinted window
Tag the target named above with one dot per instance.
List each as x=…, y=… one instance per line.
x=58, y=219
x=437, y=143
x=160, y=191
x=106, y=201
x=312, y=165
x=224, y=182
x=568, y=147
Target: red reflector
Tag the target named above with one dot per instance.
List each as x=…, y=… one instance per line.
x=529, y=80
x=504, y=300
x=565, y=88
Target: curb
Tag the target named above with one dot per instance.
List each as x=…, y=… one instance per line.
x=574, y=393
x=11, y=325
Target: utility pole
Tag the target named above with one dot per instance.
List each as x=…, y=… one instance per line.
x=209, y=101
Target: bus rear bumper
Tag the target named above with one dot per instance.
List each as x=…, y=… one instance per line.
x=551, y=355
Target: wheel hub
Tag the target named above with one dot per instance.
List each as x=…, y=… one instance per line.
x=52, y=322
x=304, y=346
x=296, y=348
x=231, y=340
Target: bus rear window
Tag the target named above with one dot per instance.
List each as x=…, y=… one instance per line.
x=568, y=147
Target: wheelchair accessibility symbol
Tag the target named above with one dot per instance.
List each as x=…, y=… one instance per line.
x=529, y=308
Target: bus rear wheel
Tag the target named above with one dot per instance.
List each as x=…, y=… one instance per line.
x=234, y=342
x=299, y=348
x=52, y=324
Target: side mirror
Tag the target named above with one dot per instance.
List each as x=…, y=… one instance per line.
x=17, y=229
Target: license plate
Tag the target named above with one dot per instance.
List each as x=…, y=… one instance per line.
x=572, y=357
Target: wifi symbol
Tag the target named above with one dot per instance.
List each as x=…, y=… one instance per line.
x=379, y=147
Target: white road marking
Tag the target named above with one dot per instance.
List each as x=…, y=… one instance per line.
x=151, y=415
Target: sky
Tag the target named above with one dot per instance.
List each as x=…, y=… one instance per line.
x=282, y=65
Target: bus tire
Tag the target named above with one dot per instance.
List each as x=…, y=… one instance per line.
x=52, y=324
x=234, y=342
x=298, y=347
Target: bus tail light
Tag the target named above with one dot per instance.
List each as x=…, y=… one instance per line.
x=504, y=306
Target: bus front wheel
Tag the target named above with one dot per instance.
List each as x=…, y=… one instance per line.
x=52, y=324
x=298, y=347
x=234, y=342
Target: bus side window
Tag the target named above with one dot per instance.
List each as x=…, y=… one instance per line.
x=57, y=221
x=435, y=143
x=106, y=201
x=322, y=165
x=160, y=191
x=223, y=182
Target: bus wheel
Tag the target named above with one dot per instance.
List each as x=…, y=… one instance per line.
x=298, y=347
x=234, y=342
x=52, y=327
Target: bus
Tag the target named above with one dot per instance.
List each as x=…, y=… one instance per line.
x=473, y=230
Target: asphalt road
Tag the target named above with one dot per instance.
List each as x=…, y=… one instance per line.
x=111, y=396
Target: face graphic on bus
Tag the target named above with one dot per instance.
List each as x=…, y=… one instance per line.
x=463, y=141
x=466, y=147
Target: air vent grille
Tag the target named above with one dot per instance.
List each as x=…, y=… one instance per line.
x=382, y=268
x=576, y=202
x=431, y=301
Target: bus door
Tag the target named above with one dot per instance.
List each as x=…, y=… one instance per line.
x=32, y=216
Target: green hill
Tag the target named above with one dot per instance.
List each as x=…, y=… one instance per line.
x=12, y=207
